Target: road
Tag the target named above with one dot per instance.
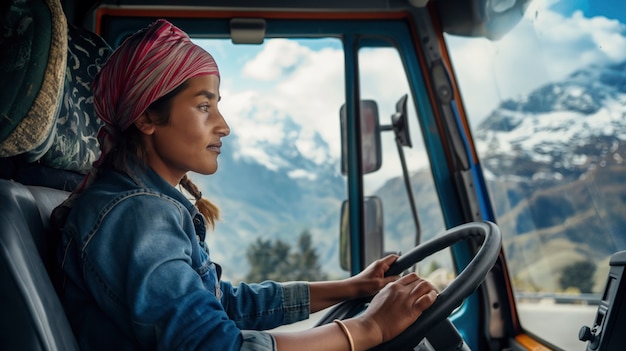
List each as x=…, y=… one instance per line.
x=540, y=319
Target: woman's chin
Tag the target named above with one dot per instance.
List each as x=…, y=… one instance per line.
x=206, y=170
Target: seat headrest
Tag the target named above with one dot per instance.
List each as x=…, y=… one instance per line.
x=33, y=61
x=56, y=145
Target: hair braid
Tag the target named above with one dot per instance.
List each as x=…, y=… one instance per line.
x=206, y=207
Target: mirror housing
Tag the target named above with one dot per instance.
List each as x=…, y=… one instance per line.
x=371, y=154
x=372, y=235
x=400, y=122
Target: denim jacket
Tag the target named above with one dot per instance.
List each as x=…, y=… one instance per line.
x=137, y=275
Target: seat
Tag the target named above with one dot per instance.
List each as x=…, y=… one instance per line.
x=32, y=316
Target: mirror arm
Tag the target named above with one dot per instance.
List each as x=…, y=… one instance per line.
x=407, y=182
x=409, y=192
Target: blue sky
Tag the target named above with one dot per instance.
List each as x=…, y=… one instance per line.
x=612, y=9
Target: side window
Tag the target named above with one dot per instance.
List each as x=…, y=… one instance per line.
x=278, y=185
x=384, y=80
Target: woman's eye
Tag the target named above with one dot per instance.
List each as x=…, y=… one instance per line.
x=204, y=108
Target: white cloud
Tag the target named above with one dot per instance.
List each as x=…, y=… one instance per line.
x=278, y=56
x=576, y=41
x=267, y=123
x=307, y=145
x=545, y=46
x=300, y=173
x=313, y=93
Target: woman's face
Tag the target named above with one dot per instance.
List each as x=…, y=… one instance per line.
x=191, y=139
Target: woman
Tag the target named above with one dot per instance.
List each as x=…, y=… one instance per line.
x=136, y=272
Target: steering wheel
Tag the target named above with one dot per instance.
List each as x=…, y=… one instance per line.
x=451, y=297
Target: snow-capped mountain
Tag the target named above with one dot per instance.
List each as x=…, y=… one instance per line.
x=561, y=130
x=554, y=164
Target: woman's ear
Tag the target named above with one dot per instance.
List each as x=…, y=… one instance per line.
x=144, y=124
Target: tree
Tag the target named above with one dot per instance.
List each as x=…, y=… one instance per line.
x=578, y=275
x=266, y=259
x=274, y=260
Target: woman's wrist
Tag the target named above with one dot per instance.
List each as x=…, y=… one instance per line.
x=351, y=288
x=365, y=332
x=355, y=287
x=328, y=293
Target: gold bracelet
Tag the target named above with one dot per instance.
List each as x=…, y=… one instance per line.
x=347, y=332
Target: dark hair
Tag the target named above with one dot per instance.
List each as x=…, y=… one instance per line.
x=130, y=141
x=130, y=144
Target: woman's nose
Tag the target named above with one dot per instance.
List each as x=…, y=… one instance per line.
x=224, y=129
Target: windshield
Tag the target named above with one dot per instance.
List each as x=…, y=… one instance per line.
x=547, y=106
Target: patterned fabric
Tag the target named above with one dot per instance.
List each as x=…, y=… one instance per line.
x=33, y=47
x=74, y=146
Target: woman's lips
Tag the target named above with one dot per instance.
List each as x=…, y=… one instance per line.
x=215, y=147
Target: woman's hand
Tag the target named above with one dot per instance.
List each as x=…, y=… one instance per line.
x=391, y=311
x=398, y=305
x=366, y=283
x=372, y=279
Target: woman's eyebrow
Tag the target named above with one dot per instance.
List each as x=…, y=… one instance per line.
x=209, y=95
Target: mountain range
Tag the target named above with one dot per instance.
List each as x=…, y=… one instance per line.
x=553, y=162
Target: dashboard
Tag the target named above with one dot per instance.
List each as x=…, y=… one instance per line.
x=606, y=333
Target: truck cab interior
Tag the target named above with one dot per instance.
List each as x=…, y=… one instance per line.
x=483, y=141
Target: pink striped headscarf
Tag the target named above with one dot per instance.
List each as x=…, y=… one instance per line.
x=148, y=65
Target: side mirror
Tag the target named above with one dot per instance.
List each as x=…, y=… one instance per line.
x=372, y=232
x=370, y=137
